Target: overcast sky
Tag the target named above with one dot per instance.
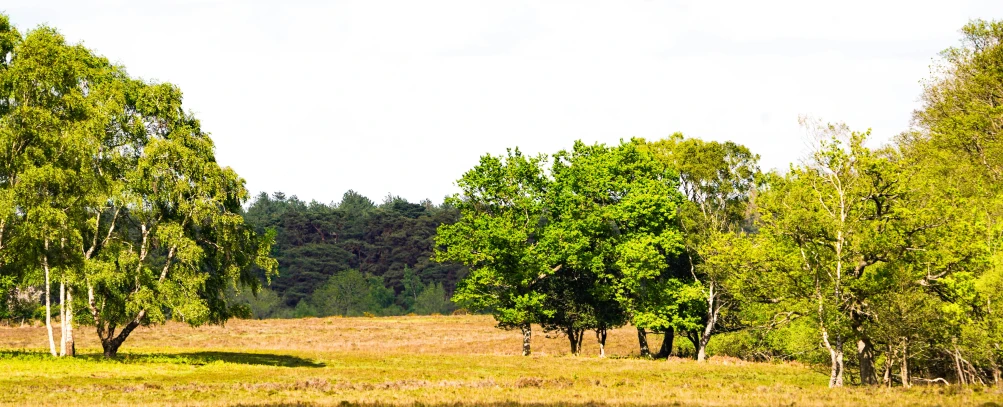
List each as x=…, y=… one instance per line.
x=313, y=98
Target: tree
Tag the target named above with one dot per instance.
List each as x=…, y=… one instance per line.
x=850, y=212
x=501, y=223
x=958, y=137
x=176, y=240
x=347, y=293
x=55, y=105
x=432, y=300
x=718, y=180
x=412, y=287
x=611, y=233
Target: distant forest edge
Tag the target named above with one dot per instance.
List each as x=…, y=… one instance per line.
x=352, y=258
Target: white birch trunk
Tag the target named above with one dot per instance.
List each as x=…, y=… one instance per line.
x=527, y=335
x=712, y=311
x=48, y=301
x=62, y=318
x=68, y=343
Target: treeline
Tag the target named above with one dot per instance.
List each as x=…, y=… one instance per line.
x=882, y=263
x=352, y=258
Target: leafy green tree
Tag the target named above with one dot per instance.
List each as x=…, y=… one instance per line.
x=497, y=236
x=117, y=194
x=611, y=232
x=718, y=180
x=56, y=103
x=850, y=213
x=432, y=300
x=412, y=287
x=958, y=137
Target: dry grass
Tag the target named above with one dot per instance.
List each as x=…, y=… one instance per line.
x=455, y=360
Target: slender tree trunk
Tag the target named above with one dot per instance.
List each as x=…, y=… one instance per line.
x=601, y=338
x=69, y=343
x=48, y=301
x=904, y=370
x=62, y=318
x=572, y=338
x=666, y=349
x=997, y=375
x=527, y=335
x=712, y=312
x=957, y=365
x=889, y=361
x=642, y=340
x=836, y=357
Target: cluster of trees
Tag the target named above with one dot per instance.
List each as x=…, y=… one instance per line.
x=112, y=202
x=353, y=257
x=890, y=255
x=111, y=196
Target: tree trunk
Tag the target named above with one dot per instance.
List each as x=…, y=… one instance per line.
x=889, y=361
x=957, y=365
x=836, y=358
x=904, y=370
x=111, y=342
x=575, y=337
x=642, y=340
x=527, y=334
x=704, y=340
x=712, y=312
x=694, y=339
x=601, y=338
x=48, y=304
x=581, y=341
x=62, y=318
x=68, y=342
x=865, y=356
x=997, y=376
x=666, y=349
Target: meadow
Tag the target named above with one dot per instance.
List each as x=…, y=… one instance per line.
x=426, y=360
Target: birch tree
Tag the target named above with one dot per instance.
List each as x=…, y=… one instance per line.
x=718, y=180
x=850, y=212
x=114, y=190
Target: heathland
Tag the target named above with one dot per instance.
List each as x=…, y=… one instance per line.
x=431, y=360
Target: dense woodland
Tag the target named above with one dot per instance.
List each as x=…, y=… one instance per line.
x=881, y=263
x=353, y=257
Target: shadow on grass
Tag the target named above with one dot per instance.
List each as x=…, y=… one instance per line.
x=187, y=358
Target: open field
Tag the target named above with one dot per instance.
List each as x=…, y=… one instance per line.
x=454, y=360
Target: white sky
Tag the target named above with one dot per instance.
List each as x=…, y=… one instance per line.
x=313, y=98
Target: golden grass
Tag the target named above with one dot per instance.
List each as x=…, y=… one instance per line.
x=442, y=360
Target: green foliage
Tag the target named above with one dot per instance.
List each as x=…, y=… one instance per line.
x=317, y=241
x=432, y=300
x=350, y=293
x=110, y=187
x=496, y=236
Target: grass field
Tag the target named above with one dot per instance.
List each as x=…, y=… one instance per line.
x=433, y=361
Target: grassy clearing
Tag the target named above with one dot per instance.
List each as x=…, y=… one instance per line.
x=457, y=360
